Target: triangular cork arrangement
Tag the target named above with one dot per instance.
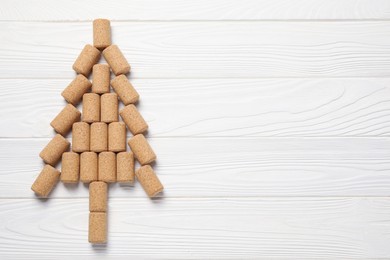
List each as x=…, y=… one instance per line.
x=98, y=152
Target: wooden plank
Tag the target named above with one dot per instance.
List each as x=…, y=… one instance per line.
x=168, y=10
x=302, y=228
x=205, y=50
x=229, y=167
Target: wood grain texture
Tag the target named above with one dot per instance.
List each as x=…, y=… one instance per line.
x=223, y=228
x=168, y=10
x=205, y=50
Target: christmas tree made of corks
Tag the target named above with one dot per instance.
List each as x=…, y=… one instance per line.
x=98, y=153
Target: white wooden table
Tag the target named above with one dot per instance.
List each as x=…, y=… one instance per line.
x=270, y=119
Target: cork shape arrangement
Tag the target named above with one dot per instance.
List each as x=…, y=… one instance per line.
x=97, y=154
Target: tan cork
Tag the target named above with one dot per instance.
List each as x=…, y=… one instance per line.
x=80, y=137
x=126, y=92
x=125, y=167
x=99, y=137
x=101, y=33
x=117, y=137
x=53, y=151
x=88, y=57
x=91, y=108
x=141, y=149
x=109, y=108
x=97, y=233
x=88, y=167
x=107, y=167
x=149, y=180
x=46, y=181
x=98, y=196
x=70, y=167
x=101, y=78
x=116, y=60
x=133, y=119
x=63, y=122
x=76, y=89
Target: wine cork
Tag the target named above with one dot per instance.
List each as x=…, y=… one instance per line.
x=91, y=108
x=63, y=122
x=107, y=167
x=149, y=180
x=88, y=167
x=116, y=60
x=98, y=196
x=70, y=167
x=101, y=33
x=99, y=137
x=141, y=149
x=125, y=167
x=53, y=151
x=109, y=108
x=80, y=137
x=126, y=92
x=76, y=89
x=117, y=137
x=88, y=57
x=46, y=181
x=133, y=119
x=97, y=233
x=101, y=78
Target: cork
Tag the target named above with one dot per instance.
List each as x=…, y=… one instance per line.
x=76, y=89
x=97, y=233
x=99, y=137
x=109, y=108
x=88, y=167
x=53, y=151
x=63, y=122
x=116, y=60
x=117, y=137
x=80, y=137
x=88, y=57
x=101, y=78
x=101, y=33
x=126, y=92
x=141, y=149
x=149, y=180
x=125, y=167
x=133, y=119
x=98, y=196
x=46, y=181
x=107, y=167
x=70, y=167
x=91, y=108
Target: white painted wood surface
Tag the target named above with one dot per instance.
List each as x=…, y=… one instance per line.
x=269, y=119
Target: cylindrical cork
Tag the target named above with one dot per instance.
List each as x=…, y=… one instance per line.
x=116, y=60
x=98, y=196
x=63, y=122
x=149, y=180
x=99, y=137
x=109, y=108
x=141, y=149
x=117, y=137
x=101, y=33
x=97, y=233
x=46, y=181
x=80, y=137
x=91, y=108
x=76, y=89
x=88, y=57
x=70, y=167
x=88, y=167
x=101, y=78
x=53, y=151
x=133, y=119
x=107, y=167
x=125, y=167
x=126, y=92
